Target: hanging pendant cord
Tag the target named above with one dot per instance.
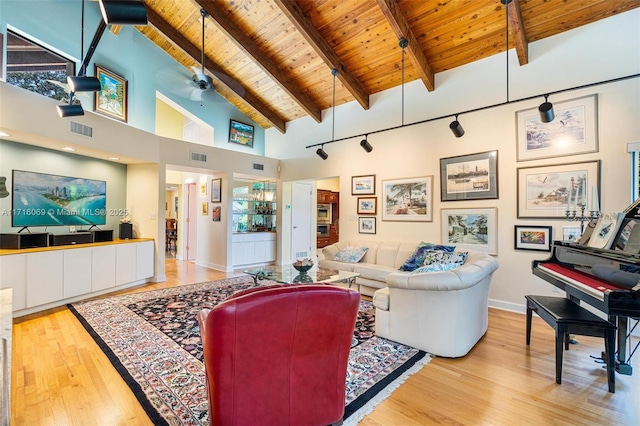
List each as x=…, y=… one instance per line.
x=204, y=14
x=82, y=36
x=403, y=42
x=506, y=13
x=334, y=73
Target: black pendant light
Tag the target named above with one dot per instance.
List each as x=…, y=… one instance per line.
x=71, y=110
x=546, y=110
x=123, y=12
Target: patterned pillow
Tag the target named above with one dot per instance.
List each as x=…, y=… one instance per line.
x=418, y=256
x=436, y=261
x=351, y=254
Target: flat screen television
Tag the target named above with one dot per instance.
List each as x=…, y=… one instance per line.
x=40, y=199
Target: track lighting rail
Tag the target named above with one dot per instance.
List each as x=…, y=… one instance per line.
x=547, y=94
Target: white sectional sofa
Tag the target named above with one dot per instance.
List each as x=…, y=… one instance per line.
x=443, y=313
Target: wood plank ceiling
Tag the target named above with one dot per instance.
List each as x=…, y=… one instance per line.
x=281, y=52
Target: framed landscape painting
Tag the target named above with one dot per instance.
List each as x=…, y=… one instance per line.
x=550, y=191
x=111, y=100
x=367, y=225
x=532, y=238
x=363, y=185
x=408, y=200
x=216, y=193
x=470, y=228
x=367, y=205
x=241, y=133
x=574, y=130
x=469, y=177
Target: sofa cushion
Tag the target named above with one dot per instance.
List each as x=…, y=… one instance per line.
x=381, y=299
x=372, y=272
x=417, y=258
x=351, y=254
x=441, y=261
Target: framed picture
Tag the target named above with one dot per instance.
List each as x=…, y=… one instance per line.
x=216, y=213
x=367, y=205
x=205, y=209
x=408, y=200
x=241, y=133
x=571, y=234
x=550, y=191
x=469, y=177
x=363, y=185
x=216, y=193
x=532, y=238
x=367, y=225
x=606, y=230
x=472, y=229
x=111, y=100
x=574, y=130
x=628, y=239
x=203, y=189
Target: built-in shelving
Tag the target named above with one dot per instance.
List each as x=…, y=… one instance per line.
x=254, y=206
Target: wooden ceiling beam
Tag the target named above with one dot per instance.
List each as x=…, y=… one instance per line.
x=401, y=28
x=195, y=52
x=517, y=32
x=306, y=29
x=251, y=49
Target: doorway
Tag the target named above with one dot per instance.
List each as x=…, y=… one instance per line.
x=189, y=223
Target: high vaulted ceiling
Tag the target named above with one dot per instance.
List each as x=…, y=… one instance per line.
x=275, y=57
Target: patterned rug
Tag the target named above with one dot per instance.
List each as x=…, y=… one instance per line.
x=153, y=341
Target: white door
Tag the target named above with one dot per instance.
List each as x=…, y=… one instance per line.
x=301, y=221
x=189, y=239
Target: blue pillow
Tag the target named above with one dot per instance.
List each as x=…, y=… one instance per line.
x=418, y=256
x=436, y=261
x=351, y=254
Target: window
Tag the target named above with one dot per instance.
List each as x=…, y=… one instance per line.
x=36, y=68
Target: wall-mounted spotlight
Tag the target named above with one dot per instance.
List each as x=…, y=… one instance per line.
x=322, y=154
x=82, y=83
x=546, y=111
x=123, y=12
x=70, y=110
x=364, y=143
x=456, y=128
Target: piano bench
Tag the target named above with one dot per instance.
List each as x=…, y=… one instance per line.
x=567, y=317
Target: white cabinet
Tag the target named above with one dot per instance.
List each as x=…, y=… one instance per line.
x=253, y=248
x=103, y=271
x=44, y=277
x=76, y=272
x=13, y=274
x=145, y=260
x=126, y=257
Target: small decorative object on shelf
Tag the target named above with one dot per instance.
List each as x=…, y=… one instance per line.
x=575, y=216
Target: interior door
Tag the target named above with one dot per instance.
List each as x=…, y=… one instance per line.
x=302, y=221
x=190, y=223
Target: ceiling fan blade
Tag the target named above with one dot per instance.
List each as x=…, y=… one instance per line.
x=197, y=71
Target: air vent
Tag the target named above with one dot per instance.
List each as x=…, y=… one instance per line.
x=196, y=156
x=80, y=129
x=302, y=254
x=258, y=166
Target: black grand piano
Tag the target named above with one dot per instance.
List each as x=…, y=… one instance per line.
x=607, y=279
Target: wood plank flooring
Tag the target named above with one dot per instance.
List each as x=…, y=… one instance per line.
x=61, y=377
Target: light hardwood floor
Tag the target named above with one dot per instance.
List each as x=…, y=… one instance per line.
x=61, y=377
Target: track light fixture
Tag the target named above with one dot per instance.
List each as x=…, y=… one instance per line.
x=321, y=153
x=83, y=83
x=456, y=128
x=123, y=12
x=364, y=143
x=546, y=110
x=71, y=110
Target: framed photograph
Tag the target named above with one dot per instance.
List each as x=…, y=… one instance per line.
x=216, y=192
x=469, y=177
x=571, y=234
x=216, y=213
x=606, y=230
x=205, y=209
x=574, y=130
x=408, y=200
x=203, y=189
x=363, y=185
x=472, y=229
x=367, y=225
x=111, y=100
x=367, y=205
x=532, y=238
x=550, y=191
x=241, y=133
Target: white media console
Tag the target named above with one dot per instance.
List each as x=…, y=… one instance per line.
x=43, y=278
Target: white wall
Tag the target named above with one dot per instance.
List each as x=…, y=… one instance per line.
x=604, y=50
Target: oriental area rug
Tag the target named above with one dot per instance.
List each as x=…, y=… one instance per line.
x=153, y=341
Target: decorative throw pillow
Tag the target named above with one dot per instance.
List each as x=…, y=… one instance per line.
x=351, y=254
x=418, y=256
x=441, y=261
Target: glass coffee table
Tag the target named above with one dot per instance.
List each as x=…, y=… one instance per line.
x=287, y=274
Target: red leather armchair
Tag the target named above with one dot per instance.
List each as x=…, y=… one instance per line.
x=278, y=355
